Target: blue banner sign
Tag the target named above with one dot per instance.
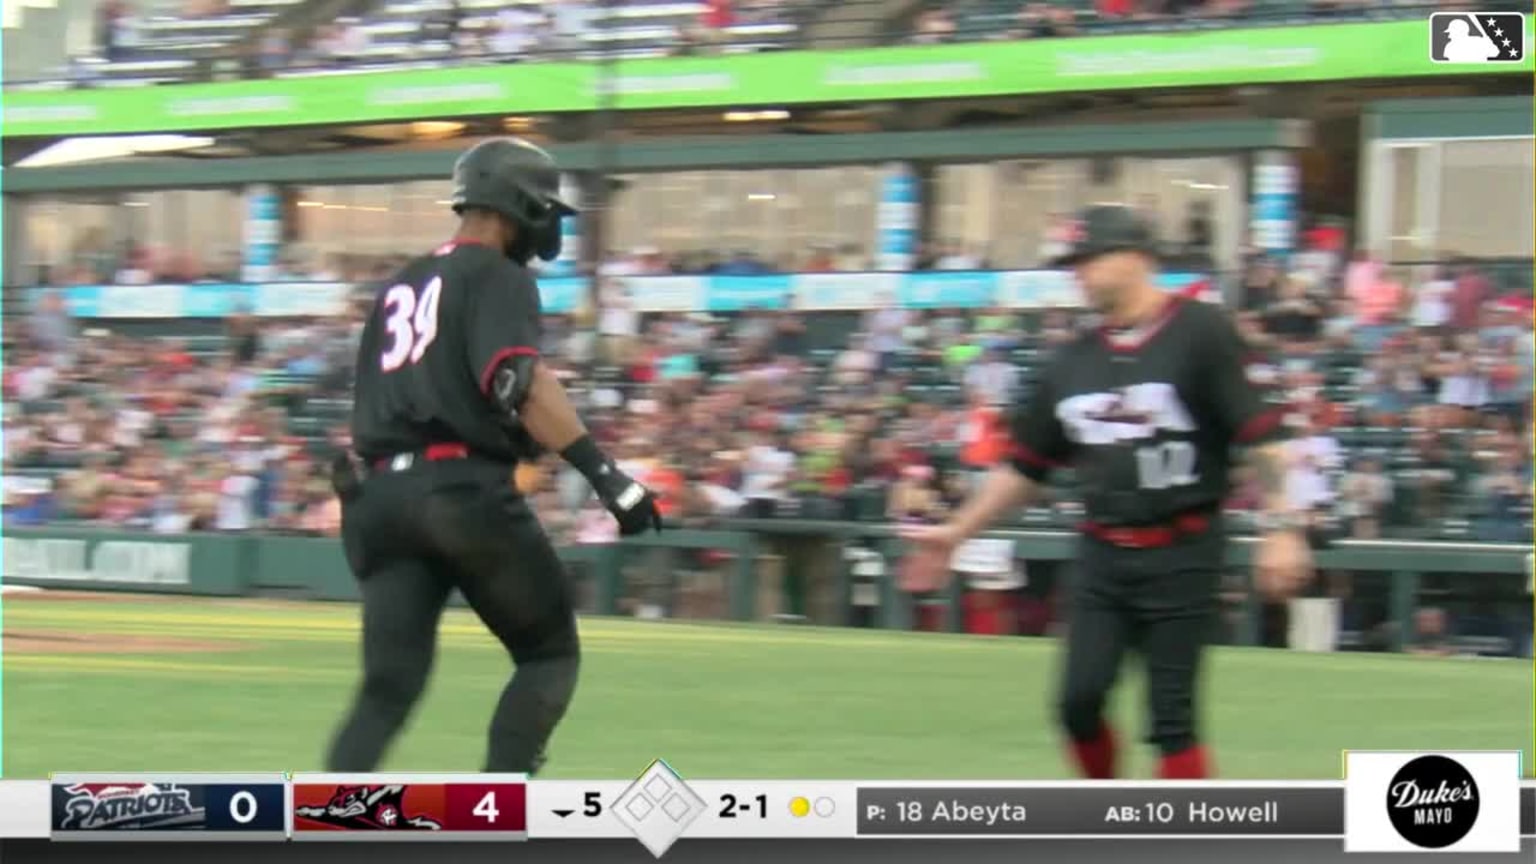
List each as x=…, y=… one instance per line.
x=1014, y=289
x=215, y=300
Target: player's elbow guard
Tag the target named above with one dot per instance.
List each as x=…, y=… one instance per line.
x=513, y=382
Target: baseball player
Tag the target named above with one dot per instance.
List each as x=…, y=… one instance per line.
x=450, y=395
x=1146, y=409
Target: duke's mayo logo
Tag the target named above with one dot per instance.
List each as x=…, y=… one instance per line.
x=1432, y=802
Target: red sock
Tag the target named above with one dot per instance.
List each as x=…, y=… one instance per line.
x=1189, y=764
x=1096, y=757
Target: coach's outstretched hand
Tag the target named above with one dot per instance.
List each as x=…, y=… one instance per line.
x=935, y=538
x=633, y=505
x=1282, y=564
x=932, y=548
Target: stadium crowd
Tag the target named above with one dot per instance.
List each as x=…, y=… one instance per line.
x=1410, y=395
x=90, y=257
x=135, y=38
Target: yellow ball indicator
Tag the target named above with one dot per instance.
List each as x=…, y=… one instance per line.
x=799, y=807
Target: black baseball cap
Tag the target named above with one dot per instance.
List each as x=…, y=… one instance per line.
x=1106, y=228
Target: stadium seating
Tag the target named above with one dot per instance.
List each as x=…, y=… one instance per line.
x=313, y=415
x=622, y=30
x=167, y=36
x=163, y=43
x=168, y=45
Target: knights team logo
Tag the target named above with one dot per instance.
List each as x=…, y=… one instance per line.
x=368, y=808
x=128, y=806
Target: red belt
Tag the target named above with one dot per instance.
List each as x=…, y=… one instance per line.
x=1149, y=536
x=431, y=453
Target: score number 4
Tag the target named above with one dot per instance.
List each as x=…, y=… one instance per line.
x=486, y=808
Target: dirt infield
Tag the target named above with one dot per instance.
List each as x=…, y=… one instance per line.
x=18, y=594
x=56, y=642
x=14, y=594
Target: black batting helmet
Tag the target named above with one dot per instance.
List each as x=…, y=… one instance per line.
x=520, y=181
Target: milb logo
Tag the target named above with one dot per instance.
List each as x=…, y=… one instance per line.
x=1477, y=37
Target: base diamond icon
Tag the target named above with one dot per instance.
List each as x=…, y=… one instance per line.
x=658, y=807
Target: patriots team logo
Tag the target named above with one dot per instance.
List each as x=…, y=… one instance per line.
x=368, y=808
x=109, y=806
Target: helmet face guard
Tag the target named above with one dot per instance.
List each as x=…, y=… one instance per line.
x=521, y=182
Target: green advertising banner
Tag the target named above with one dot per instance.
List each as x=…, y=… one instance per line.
x=90, y=560
x=1334, y=52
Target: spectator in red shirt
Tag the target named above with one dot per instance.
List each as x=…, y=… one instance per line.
x=716, y=20
x=1467, y=297
x=717, y=14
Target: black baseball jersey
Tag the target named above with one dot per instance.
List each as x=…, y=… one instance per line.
x=430, y=348
x=1147, y=418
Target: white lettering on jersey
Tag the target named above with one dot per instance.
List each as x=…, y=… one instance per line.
x=1137, y=413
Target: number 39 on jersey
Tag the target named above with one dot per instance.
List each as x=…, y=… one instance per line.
x=410, y=320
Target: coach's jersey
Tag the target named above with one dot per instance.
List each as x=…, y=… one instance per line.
x=1147, y=418
x=431, y=346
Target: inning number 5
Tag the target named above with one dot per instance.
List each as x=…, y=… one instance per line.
x=411, y=320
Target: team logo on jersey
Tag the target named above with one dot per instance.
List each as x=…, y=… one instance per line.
x=1118, y=412
x=368, y=808
x=1133, y=413
x=107, y=806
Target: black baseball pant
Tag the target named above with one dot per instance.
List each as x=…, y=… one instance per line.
x=1161, y=604
x=414, y=532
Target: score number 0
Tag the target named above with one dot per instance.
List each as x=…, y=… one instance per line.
x=242, y=807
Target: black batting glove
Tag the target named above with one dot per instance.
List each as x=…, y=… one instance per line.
x=632, y=505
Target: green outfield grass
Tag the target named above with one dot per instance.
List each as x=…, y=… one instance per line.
x=714, y=700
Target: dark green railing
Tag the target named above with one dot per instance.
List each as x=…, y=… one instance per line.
x=811, y=552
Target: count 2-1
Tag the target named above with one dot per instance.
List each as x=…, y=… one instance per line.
x=730, y=806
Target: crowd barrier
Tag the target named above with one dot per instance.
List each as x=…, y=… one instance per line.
x=1018, y=289
x=314, y=568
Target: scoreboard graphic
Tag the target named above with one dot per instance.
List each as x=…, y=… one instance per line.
x=169, y=806
x=410, y=807
x=1448, y=801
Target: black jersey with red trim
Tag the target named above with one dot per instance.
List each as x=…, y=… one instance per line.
x=1147, y=418
x=436, y=334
